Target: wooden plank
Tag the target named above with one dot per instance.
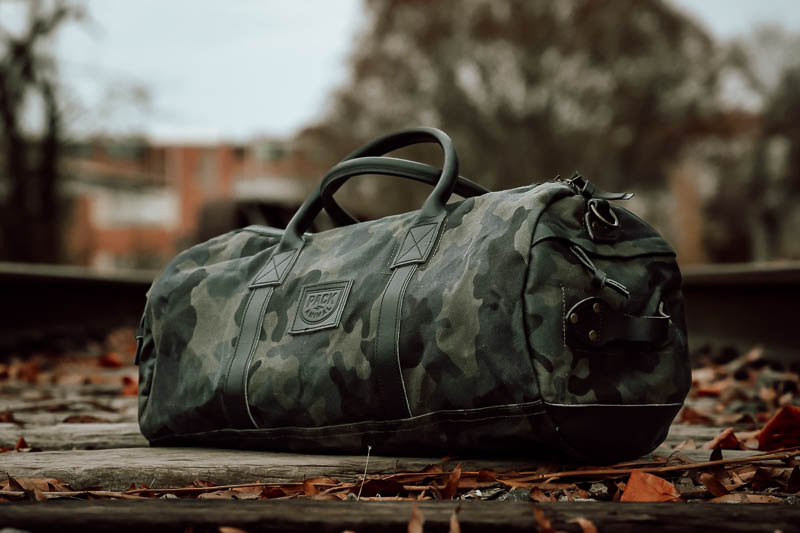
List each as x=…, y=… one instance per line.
x=116, y=469
x=365, y=517
x=124, y=433
x=74, y=436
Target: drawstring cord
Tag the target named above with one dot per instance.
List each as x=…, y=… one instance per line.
x=600, y=277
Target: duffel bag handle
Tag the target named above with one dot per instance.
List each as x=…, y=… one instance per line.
x=434, y=205
x=388, y=166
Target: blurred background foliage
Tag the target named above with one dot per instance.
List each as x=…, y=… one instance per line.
x=635, y=94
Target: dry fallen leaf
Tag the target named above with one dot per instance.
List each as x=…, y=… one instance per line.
x=714, y=486
x=451, y=488
x=542, y=523
x=746, y=498
x=782, y=430
x=84, y=419
x=417, y=519
x=455, y=527
x=644, y=487
x=587, y=526
x=7, y=417
x=726, y=440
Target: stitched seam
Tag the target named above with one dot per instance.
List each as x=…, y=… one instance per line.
x=340, y=427
x=259, y=327
x=395, y=249
x=378, y=380
x=278, y=432
x=563, y=317
x=235, y=348
x=675, y=404
x=400, y=299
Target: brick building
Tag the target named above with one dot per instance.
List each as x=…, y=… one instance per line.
x=134, y=204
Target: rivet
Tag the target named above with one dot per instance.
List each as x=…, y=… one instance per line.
x=593, y=335
x=596, y=307
x=573, y=318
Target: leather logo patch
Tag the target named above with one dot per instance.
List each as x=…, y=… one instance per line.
x=320, y=306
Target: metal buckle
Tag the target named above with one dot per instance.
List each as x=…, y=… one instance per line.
x=593, y=208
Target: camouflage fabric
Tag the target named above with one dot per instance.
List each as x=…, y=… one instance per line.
x=482, y=347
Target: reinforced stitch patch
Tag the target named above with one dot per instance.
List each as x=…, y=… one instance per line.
x=320, y=306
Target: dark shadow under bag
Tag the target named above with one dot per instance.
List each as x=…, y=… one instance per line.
x=522, y=322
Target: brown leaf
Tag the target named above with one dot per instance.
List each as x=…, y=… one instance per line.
x=110, y=360
x=542, y=523
x=268, y=493
x=644, y=487
x=740, y=497
x=417, y=519
x=587, y=526
x=538, y=495
x=793, y=483
x=693, y=416
x=14, y=484
x=716, y=455
x=726, y=440
x=686, y=445
x=217, y=495
x=782, y=430
x=485, y=475
x=85, y=419
x=455, y=527
x=226, y=529
x=714, y=486
x=130, y=386
x=7, y=417
x=309, y=489
x=21, y=445
x=451, y=488
x=247, y=493
x=765, y=478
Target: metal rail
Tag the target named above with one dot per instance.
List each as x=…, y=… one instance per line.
x=745, y=305
x=46, y=303
x=742, y=305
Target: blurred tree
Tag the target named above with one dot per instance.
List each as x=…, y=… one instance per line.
x=30, y=215
x=531, y=88
x=754, y=210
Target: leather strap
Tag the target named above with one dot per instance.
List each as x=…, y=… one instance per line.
x=388, y=370
x=593, y=323
x=388, y=166
x=235, y=389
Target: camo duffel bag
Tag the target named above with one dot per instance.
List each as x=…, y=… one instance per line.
x=524, y=321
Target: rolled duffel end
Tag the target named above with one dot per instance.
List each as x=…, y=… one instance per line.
x=612, y=433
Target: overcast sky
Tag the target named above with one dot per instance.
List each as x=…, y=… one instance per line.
x=217, y=69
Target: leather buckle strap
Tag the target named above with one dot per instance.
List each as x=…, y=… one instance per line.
x=594, y=323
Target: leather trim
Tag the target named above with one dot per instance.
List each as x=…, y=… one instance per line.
x=388, y=369
x=234, y=393
x=276, y=269
x=594, y=431
x=475, y=414
x=417, y=244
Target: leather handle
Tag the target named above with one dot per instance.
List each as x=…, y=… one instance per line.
x=434, y=205
x=387, y=166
